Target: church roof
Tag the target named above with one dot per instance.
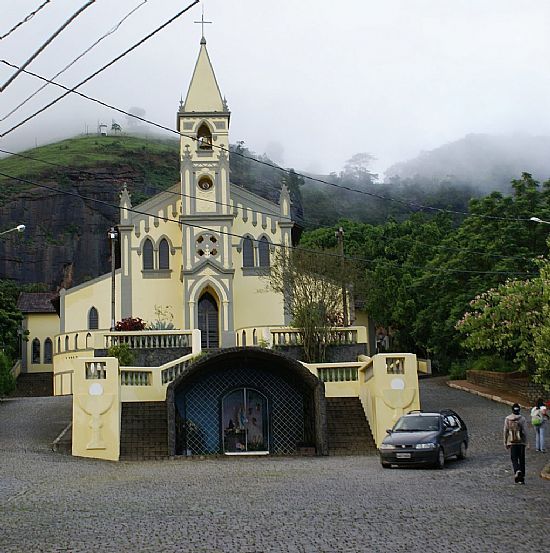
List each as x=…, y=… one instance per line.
x=203, y=94
x=36, y=302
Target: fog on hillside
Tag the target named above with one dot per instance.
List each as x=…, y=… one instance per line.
x=482, y=161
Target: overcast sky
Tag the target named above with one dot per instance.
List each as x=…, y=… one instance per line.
x=310, y=83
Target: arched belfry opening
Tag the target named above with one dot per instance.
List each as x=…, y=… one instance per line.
x=204, y=137
x=246, y=401
x=209, y=320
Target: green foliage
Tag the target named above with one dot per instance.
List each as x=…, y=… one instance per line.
x=130, y=324
x=7, y=382
x=458, y=370
x=419, y=275
x=493, y=363
x=123, y=353
x=503, y=320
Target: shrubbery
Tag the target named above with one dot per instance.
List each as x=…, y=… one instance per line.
x=7, y=382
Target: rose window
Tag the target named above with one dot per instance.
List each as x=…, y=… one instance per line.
x=207, y=245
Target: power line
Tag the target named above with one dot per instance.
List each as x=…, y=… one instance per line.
x=234, y=235
x=409, y=205
x=180, y=194
x=30, y=16
x=95, y=73
x=108, y=33
x=48, y=41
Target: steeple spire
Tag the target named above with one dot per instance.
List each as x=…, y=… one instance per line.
x=203, y=94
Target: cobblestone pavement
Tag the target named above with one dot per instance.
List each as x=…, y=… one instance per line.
x=53, y=502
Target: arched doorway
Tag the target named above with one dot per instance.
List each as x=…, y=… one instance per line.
x=208, y=322
x=245, y=422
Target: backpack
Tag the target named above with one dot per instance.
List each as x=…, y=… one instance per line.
x=536, y=417
x=514, y=431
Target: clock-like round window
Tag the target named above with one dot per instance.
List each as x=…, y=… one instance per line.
x=205, y=183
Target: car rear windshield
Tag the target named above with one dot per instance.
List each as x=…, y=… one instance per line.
x=416, y=424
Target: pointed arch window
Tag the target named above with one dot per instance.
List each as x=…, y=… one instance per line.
x=48, y=350
x=93, y=319
x=164, y=254
x=36, y=350
x=248, y=252
x=263, y=252
x=147, y=255
x=204, y=137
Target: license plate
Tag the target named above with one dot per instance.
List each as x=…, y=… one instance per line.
x=403, y=455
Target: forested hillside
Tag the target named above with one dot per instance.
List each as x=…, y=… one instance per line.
x=417, y=277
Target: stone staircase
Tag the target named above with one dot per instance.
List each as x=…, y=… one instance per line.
x=144, y=431
x=349, y=432
x=34, y=385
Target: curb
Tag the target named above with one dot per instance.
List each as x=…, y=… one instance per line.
x=56, y=443
x=485, y=395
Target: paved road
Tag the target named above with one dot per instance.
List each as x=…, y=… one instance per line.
x=51, y=502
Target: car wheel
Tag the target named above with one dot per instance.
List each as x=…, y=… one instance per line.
x=463, y=451
x=386, y=465
x=440, y=462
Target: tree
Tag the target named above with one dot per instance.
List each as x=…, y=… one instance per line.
x=513, y=319
x=505, y=319
x=542, y=333
x=115, y=127
x=309, y=283
x=10, y=319
x=356, y=168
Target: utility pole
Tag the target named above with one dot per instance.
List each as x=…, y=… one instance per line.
x=340, y=238
x=113, y=234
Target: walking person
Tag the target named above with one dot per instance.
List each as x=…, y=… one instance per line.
x=539, y=417
x=515, y=439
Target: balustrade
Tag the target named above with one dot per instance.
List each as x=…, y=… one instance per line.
x=96, y=370
x=149, y=340
x=338, y=374
x=130, y=377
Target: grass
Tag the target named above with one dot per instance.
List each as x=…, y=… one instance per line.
x=145, y=155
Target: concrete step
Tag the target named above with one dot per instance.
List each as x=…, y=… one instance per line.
x=349, y=432
x=34, y=385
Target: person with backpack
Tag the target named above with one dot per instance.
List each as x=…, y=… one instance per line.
x=515, y=439
x=539, y=416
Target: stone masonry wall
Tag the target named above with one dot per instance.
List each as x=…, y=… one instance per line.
x=513, y=383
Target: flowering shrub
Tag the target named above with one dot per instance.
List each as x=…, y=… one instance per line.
x=129, y=324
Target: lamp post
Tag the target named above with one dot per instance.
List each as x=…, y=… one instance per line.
x=18, y=228
x=113, y=235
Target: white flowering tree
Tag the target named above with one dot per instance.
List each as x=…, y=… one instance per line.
x=513, y=320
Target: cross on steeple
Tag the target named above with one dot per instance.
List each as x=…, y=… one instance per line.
x=202, y=22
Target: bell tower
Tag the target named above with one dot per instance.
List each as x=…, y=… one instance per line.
x=207, y=217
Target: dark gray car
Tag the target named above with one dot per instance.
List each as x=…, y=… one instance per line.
x=419, y=438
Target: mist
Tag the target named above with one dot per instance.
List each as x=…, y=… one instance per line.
x=309, y=84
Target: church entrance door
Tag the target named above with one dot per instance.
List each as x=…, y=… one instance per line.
x=208, y=322
x=245, y=420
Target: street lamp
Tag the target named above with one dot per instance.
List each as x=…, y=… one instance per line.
x=113, y=235
x=18, y=228
x=537, y=220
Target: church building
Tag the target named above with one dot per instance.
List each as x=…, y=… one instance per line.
x=196, y=256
